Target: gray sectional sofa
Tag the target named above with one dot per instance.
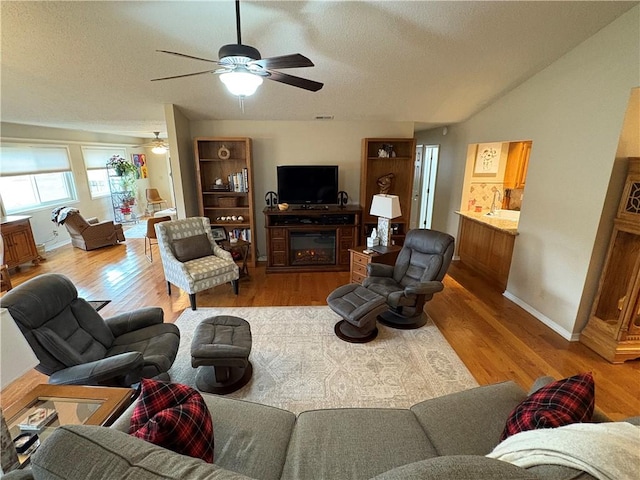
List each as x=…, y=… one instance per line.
x=443, y=438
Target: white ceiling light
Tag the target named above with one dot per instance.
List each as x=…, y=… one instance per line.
x=159, y=147
x=240, y=82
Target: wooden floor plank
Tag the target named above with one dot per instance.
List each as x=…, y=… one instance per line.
x=495, y=338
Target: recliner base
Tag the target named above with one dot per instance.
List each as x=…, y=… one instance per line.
x=393, y=320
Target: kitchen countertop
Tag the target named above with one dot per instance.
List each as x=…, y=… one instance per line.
x=502, y=224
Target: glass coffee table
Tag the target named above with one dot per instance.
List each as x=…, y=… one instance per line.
x=46, y=407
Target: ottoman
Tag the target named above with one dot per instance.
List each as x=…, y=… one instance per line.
x=359, y=308
x=220, y=350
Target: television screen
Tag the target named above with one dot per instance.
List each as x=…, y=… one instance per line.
x=308, y=184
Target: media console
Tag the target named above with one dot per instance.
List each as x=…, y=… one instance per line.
x=311, y=239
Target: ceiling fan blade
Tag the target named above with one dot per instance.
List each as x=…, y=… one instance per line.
x=285, y=61
x=295, y=81
x=185, y=75
x=187, y=56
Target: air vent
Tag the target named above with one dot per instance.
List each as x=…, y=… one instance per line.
x=324, y=117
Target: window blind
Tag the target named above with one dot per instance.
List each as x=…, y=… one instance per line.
x=97, y=157
x=33, y=159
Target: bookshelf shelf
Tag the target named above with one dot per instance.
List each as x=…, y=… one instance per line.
x=235, y=176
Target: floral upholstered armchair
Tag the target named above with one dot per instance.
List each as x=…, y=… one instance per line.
x=191, y=259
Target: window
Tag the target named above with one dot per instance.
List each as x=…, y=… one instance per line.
x=95, y=161
x=35, y=176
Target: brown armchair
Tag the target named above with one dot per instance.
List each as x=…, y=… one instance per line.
x=90, y=234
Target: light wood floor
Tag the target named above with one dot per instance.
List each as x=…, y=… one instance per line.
x=495, y=338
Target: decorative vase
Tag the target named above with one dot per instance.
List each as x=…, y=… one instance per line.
x=127, y=216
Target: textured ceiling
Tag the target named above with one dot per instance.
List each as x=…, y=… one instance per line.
x=87, y=65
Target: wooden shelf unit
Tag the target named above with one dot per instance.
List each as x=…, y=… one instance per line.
x=340, y=225
x=613, y=330
x=221, y=158
x=374, y=167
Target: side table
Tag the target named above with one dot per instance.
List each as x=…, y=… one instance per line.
x=73, y=404
x=242, y=247
x=360, y=260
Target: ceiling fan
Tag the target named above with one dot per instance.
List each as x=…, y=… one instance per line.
x=157, y=145
x=243, y=69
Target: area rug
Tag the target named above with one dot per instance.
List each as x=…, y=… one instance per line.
x=299, y=364
x=98, y=304
x=136, y=230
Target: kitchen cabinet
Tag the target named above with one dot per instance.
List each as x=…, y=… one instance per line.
x=613, y=330
x=19, y=245
x=515, y=175
x=486, y=249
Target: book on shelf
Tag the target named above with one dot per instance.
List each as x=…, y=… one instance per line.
x=238, y=181
x=38, y=418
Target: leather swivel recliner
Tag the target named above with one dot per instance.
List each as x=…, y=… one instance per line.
x=414, y=279
x=75, y=345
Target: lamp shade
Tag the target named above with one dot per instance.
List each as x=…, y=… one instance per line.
x=16, y=356
x=387, y=206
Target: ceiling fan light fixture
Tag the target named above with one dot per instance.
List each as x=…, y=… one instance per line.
x=241, y=84
x=159, y=149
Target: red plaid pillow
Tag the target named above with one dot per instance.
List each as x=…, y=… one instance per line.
x=173, y=416
x=559, y=403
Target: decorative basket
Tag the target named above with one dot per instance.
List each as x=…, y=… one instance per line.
x=228, y=201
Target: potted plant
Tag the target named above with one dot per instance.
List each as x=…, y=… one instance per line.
x=121, y=166
x=125, y=209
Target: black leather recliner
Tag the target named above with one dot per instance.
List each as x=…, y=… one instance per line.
x=75, y=345
x=414, y=279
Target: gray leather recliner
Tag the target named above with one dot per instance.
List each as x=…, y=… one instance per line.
x=414, y=279
x=75, y=345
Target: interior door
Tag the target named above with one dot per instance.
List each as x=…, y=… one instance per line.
x=424, y=185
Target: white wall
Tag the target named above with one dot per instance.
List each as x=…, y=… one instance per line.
x=573, y=112
x=301, y=143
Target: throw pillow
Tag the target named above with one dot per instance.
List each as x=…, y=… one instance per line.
x=173, y=416
x=570, y=400
x=190, y=248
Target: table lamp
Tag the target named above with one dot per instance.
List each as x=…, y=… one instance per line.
x=385, y=207
x=16, y=356
x=16, y=359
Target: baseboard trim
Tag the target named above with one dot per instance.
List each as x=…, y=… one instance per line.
x=564, y=333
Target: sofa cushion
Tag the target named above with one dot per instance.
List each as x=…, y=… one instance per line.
x=173, y=416
x=468, y=422
x=190, y=248
x=352, y=443
x=251, y=438
x=559, y=403
x=458, y=467
x=81, y=452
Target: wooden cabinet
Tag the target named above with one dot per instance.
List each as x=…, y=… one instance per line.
x=613, y=330
x=360, y=260
x=515, y=175
x=400, y=164
x=311, y=240
x=225, y=186
x=486, y=249
x=19, y=245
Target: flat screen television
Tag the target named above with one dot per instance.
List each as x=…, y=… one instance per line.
x=308, y=184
